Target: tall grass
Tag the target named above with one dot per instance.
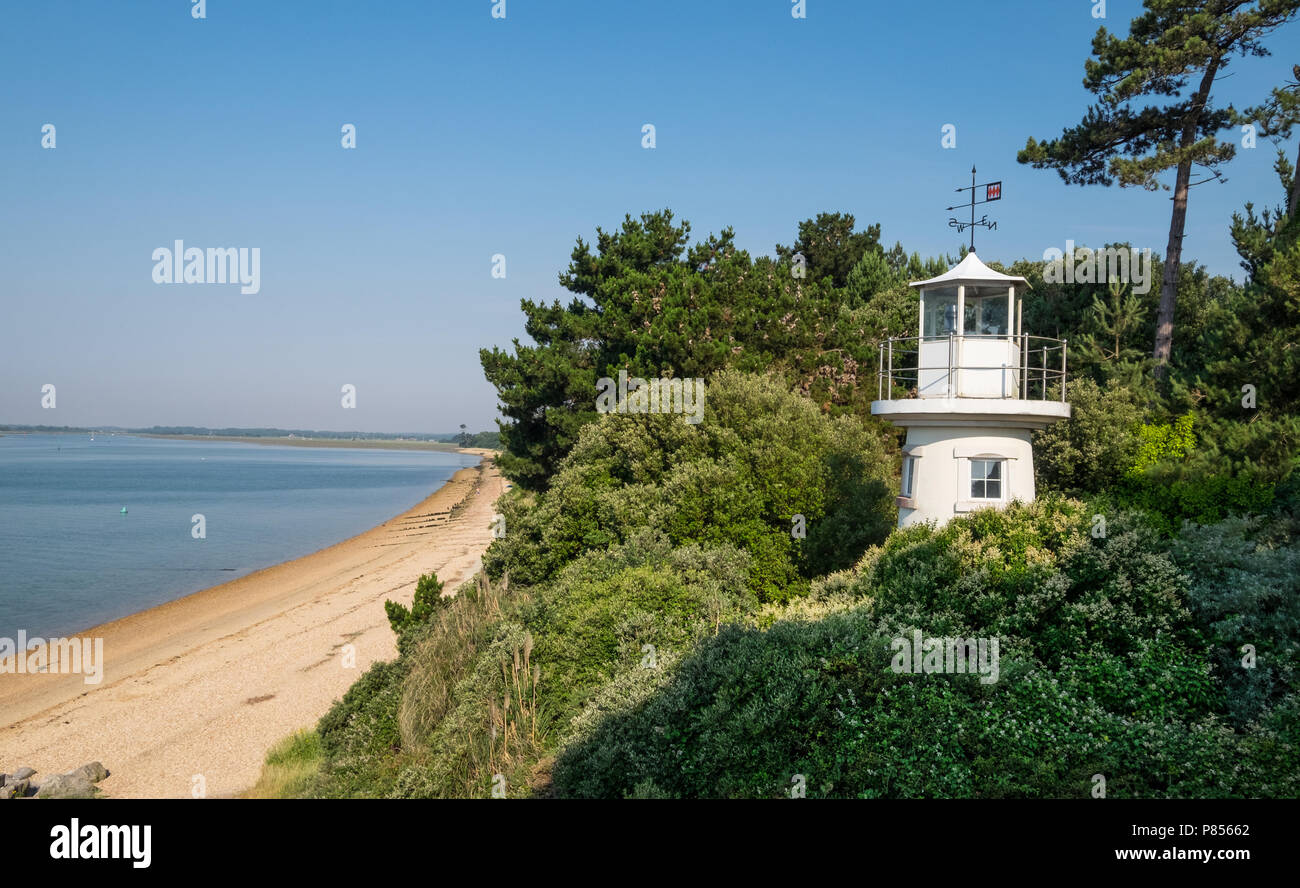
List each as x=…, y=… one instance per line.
x=443, y=656
x=290, y=767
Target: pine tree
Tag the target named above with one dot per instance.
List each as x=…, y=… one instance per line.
x=1107, y=345
x=547, y=390
x=1171, y=42
x=830, y=247
x=1277, y=118
x=648, y=303
x=1250, y=384
x=873, y=274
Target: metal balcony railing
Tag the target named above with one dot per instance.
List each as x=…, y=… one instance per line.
x=1032, y=366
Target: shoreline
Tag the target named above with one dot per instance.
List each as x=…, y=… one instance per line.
x=202, y=686
x=363, y=444
x=485, y=455
x=353, y=443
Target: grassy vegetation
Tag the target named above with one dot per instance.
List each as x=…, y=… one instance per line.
x=291, y=765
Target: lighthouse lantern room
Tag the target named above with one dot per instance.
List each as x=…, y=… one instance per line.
x=970, y=389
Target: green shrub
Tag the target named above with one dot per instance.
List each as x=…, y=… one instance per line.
x=740, y=717
x=1169, y=442
x=1105, y=670
x=1205, y=500
x=638, y=602
x=1246, y=591
x=761, y=456
x=359, y=736
x=630, y=610
x=1093, y=448
x=428, y=598
x=1168, y=495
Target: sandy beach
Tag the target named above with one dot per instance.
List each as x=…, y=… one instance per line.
x=204, y=685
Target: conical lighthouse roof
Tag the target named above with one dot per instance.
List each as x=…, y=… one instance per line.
x=971, y=271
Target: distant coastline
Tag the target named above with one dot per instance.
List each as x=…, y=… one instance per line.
x=480, y=443
x=364, y=443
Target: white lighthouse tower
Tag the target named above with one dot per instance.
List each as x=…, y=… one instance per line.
x=970, y=389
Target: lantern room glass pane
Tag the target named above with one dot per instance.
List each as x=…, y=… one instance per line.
x=986, y=311
x=940, y=312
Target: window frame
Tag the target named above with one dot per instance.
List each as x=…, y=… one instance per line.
x=907, y=485
x=1001, y=480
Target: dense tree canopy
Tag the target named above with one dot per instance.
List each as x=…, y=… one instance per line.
x=649, y=303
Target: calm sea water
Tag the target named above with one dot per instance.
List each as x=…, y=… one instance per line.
x=70, y=560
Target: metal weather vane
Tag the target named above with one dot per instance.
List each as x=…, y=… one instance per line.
x=992, y=192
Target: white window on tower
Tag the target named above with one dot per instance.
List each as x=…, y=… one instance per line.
x=909, y=475
x=987, y=479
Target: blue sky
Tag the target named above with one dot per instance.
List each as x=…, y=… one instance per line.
x=478, y=136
